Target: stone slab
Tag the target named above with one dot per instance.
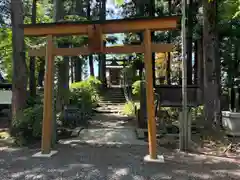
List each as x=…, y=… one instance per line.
x=76, y=131
x=110, y=136
x=160, y=159
x=41, y=155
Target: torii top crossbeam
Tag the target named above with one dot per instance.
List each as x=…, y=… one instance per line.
x=107, y=27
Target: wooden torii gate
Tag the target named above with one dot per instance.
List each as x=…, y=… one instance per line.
x=94, y=30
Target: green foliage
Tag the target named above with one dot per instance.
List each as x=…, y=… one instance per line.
x=32, y=42
x=85, y=94
x=230, y=9
x=119, y=2
x=6, y=52
x=200, y=111
x=129, y=108
x=29, y=127
x=80, y=40
x=42, y=16
x=136, y=88
x=130, y=71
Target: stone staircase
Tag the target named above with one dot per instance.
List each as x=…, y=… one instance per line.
x=113, y=96
x=112, y=101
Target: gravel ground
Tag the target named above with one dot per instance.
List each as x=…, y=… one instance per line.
x=85, y=162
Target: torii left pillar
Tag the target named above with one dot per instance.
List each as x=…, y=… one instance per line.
x=46, y=150
x=152, y=157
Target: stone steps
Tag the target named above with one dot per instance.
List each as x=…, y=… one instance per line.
x=112, y=95
x=106, y=103
x=112, y=101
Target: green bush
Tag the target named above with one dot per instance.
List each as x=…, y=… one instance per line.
x=136, y=88
x=129, y=108
x=85, y=94
x=29, y=126
x=31, y=101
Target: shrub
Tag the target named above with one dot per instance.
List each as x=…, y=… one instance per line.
x=31, y=101
x=136, y=88
x=129, y=108
x=85, y=94
x=29, y=126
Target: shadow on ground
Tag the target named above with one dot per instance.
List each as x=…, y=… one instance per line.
x=111, y=120
x=84, y=162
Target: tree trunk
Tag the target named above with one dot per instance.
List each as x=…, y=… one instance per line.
x=32, y=79
x=41, y=72
x=90, y=57
x=168, y=69
x=58, y=10
x=62, y=66
x=79, y=10
x=196, y=62
x=91, y=65
x=78, y=68
x=63, y=82
x=72, y=70
x=102, y=57
x=99, y=68
x=139, y=4
x=211, y=62
x=189, y=41
x=152, y=14
x=19, y=79
x=140, y=12
x=200, y=63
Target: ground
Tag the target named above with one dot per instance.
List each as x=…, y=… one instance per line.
x=111, y=163
x=77, y=160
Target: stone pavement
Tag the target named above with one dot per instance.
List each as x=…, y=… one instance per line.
x=111, y=120
x=84, y=162
x=120, y=136
x=108, y=128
